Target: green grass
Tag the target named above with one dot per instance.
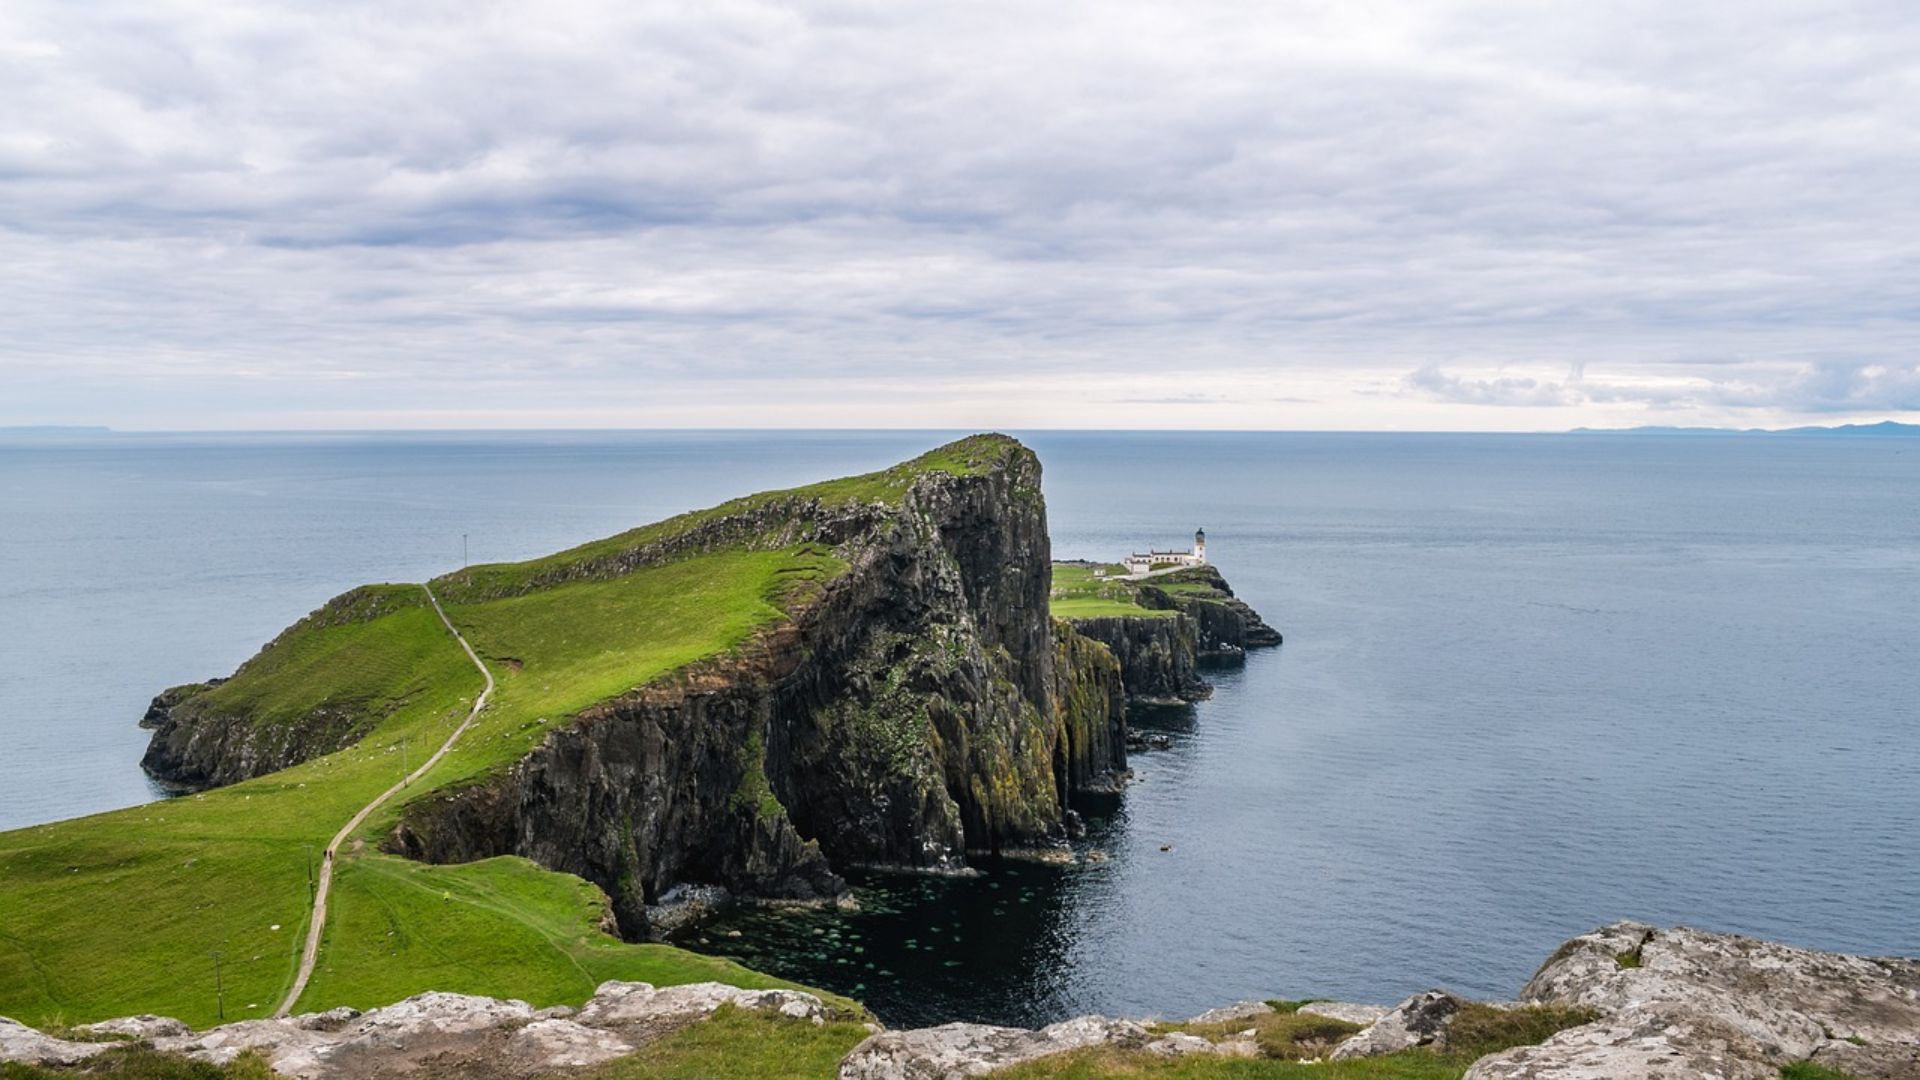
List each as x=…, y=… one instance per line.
x=364, y=654
x=1479, y=1029
x=741, y=1043
x=501, y=927
x=557, y=651
x=967, y=457
x=119, y=913
x=1078, y=594
x=1807, y=1070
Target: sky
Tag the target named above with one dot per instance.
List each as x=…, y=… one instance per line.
x=1431, y=215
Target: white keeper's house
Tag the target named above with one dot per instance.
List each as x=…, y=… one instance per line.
x=1142, y=561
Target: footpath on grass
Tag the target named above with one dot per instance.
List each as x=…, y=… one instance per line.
x=317, y=924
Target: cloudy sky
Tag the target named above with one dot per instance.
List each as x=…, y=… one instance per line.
x=1352, y=214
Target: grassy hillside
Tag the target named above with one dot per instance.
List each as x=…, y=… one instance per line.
x=1078, y=594
x=123, y=912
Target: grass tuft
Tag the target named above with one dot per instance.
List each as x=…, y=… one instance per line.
x=1807, y=1070
x=743, y=1043
x=1479, y=1029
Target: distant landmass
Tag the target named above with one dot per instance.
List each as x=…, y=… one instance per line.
x=1883, y=428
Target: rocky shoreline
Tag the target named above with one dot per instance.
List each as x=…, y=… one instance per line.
x=1630, y=1001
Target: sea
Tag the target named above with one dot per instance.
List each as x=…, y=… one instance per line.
x=1531, y=684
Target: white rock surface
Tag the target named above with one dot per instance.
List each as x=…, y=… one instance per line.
x=953, y=1051
x=1239, y=1010
x=628, y=1003
x=1650, y=1044
x=144, y=1026
x=20, y=1043
x=1788, y=999
x=563, y=1044
x=1345, y=1011
x=274, y=1039
x=1180, y=1044
x=1686, y=1002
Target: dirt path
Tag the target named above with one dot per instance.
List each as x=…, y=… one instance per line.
x=317, y=925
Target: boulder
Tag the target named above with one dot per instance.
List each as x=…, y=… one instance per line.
x=1649, y=1044
x=341, y=1042
x=1345, y=1011
x=1239, y=1010
x=1788, y=1001
x=951, y=1051
x=277, y=1040
x=23, y=1045
x=144, y=1026
x=617, y=1004
x=545, y=1045
x=1180, y=1044
x=1421, y=1020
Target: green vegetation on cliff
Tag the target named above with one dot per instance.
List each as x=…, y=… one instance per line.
x=124, y=912
x=1080, y=593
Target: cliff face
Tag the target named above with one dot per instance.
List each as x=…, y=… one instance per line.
x=1160, y=654
x=194, y=748
x=924, y=705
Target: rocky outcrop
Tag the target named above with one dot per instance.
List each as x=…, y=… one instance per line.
x=1720, y=1005
x=951, y=1051
x=1158, y=655
x=1665, y=1005
x=194, y=748
x=206, y=736
x=438, y=1033
x=1224, y=624
x=22, y=1044
x=1420, y=1020
x=1195, y=617
x=922, y=706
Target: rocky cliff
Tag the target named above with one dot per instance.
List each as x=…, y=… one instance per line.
x=1186, y=618
x=264, y=719
x=922, y=706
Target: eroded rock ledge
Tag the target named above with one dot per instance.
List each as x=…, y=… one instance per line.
x=1666, y=1005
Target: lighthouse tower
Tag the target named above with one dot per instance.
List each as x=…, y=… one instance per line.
x=1200, y=545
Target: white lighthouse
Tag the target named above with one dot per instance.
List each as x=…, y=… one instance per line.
x=1145, y=562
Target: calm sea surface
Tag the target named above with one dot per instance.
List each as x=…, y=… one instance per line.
x=1531, y=684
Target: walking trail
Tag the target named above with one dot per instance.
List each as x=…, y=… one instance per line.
x=316, y=926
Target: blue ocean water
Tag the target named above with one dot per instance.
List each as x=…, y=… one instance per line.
x=1531, y=683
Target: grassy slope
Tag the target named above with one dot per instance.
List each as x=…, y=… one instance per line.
x=119, y=913
x=1077, y=594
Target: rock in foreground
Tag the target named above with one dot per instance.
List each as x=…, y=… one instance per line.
x=1664, y=1005
x=1686, y=1002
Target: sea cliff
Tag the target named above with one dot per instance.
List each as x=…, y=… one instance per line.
x=914, y=704
x=1164, y=628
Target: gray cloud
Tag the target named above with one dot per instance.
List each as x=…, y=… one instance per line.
x=363, y=213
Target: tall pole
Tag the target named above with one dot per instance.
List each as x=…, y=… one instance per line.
x=463, y=551
x=219, y=989
x=310, y=885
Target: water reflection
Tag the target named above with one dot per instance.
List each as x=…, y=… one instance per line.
x=923, y=949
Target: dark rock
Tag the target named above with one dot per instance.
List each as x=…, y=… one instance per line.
x=1420, y=1020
